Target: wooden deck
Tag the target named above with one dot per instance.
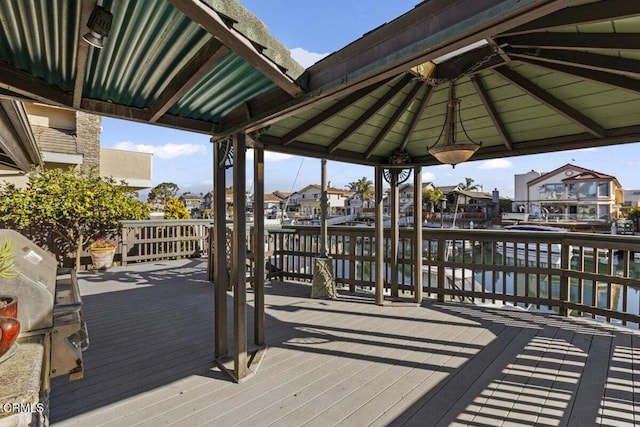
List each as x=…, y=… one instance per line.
x=344, y=362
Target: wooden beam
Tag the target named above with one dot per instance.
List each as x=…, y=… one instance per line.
x=330, y=112
x=574, y=41
x=615, y=80
x=355, y=125
x=198, y=66
x=589, y=13
x=430, y=30
x=493, y=114
x=239, y=258
x=298, y=148
x=421, y=35
x=393, y=119
x=416, y=117
x=617, y=136
x=141, y=115
x=589, y=61
x=208, y=18
x=82, y=51
x=551, y=101
x=24, y=84
x=468, y=64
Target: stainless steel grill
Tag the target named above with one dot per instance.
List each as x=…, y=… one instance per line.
x=49, y=309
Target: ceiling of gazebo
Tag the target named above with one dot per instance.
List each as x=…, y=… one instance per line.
x=548, y=75
x=569, y=79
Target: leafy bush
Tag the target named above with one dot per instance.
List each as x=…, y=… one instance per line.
x=175, y=209
x=72, y=204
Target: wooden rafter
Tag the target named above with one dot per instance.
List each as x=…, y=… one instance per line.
x=393, y=119
x=82, y=49
x=272, y=143
x=330, y=112
x=416, y=117
x=585, y=14
x=208, y=19
x=616, y=136
x=370, y=112
x=141, y=115
x=414, y=32
x=24, y=84
x=193, y=71
x=468, y=64
x=569, y=41
x=615, y=80
x=495, y=117
x=552, y=102
x=590, y=61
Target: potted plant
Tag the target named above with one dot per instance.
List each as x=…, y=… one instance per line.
x=102, y=252
x=9, y=324
x=8, y=270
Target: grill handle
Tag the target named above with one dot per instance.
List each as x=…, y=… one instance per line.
x=75, y=306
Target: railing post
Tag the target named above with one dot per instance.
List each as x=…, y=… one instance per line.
x=441, y=260
x=565, y=257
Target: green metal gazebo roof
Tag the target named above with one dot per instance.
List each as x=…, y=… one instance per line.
x=532, y=75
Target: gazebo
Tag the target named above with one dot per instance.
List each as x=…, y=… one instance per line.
x=445, y=82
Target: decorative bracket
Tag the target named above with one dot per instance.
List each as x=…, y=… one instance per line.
x=401, y=175
x=225, y=153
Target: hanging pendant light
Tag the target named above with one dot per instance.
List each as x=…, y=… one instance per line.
x=451, y=153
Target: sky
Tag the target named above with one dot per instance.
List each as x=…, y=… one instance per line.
x=186, y=158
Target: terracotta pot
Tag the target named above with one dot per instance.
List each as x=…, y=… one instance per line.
x=11, y=307
x=102, y=258
x=9, y=330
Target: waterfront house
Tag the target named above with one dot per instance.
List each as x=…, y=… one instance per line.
x=569, y=192
x=306, y=202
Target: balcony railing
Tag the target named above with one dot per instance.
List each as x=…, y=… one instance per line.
x=569, y=273
x=155, y=240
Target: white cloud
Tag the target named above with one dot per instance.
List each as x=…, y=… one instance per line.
x=270, y=156
x=496, y=164
x=166, y=151
x=428, y=177
x=306, y=58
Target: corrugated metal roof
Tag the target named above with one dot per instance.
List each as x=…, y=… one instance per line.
x=552, y=74
x=150, y=44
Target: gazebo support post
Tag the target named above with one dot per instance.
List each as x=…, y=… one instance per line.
x=379, y=236
x=417, y=238
x=395, y=233
x=258, y=247
x=238, y=262
x=324, y=283
x=220, y=275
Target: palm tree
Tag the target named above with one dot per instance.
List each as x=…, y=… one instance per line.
x=468, y=185
x=363, y=187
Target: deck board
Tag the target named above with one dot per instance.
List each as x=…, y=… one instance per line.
x=344, y=362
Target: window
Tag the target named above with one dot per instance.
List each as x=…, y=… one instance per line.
x=603, y=189
x=587, y=189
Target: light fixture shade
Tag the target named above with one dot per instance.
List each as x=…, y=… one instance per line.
x=94, y=39
x=99, y=25
x=450, y=152
x=454, y=153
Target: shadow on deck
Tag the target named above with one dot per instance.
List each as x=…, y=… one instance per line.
x=346, y=362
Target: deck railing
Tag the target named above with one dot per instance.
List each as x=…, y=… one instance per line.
x=155, y=240
x=570, y=273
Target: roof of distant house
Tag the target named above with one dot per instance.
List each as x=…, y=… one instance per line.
x=593, y=174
